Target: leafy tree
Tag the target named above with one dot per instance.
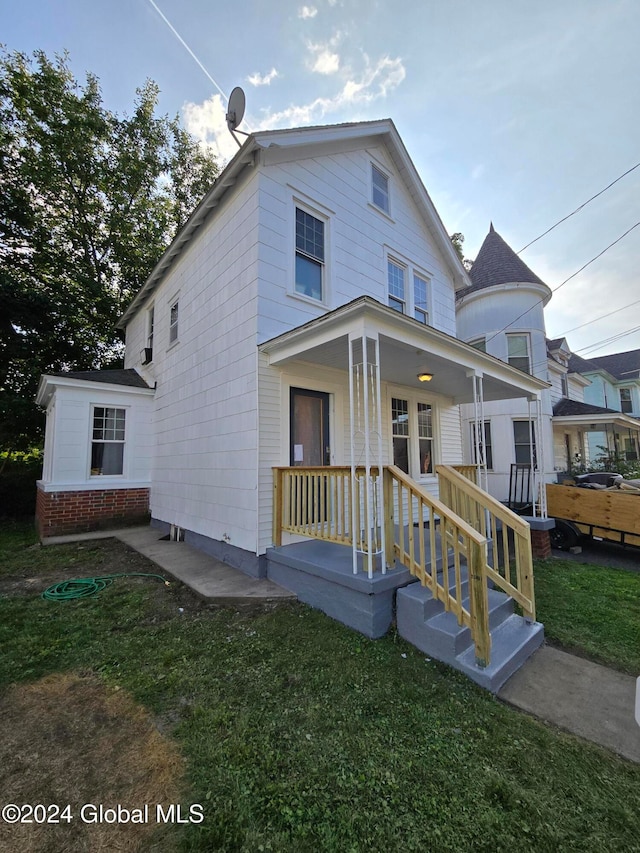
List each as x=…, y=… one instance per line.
x=89, y=200
x=458, y=239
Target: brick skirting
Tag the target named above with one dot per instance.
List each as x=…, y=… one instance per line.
x=540, y=544
x=60, y=513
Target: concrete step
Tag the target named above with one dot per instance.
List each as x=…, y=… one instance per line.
x=423, y=621
x=512, y=643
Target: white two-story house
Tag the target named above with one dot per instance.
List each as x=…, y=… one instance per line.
x=304, y=318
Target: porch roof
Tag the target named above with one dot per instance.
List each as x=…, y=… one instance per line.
x=570, y=413
x=407, y=348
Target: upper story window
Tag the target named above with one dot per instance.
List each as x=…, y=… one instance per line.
x=564, y=384
x=397, y=287
x=310, y=255
x=625, y=401
x=380, y=189
x=150, y=321
x=420, y=307
x=479, y=343
x=518, y=352
x=107, y=445
x=173, y=322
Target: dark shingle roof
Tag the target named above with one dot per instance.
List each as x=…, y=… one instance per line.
x=577, y=364
x=570, y=408
x=622, y=365
x=112, y=377
x=497, y=263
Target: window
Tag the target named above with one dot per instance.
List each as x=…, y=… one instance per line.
x=395, y=277
x=625, y=400
x=479, y=343
x=412, y=436
x=420, y=311
x=518, y=352
x=488, y=449
x=400, y=433
x=150, y=329
x=380, y=184
x=309, y=255
x=564, y=384
x=522, y=432
x=107, y=446
x=173, y=323
x=425, y=438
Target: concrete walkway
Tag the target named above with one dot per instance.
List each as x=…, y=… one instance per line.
x=586, y=699
x=582, y=697
x=209, y=578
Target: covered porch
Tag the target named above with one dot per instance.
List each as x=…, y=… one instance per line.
x=585, y=434
x=391, y=500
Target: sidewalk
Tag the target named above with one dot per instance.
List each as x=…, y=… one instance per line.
x=582, y=697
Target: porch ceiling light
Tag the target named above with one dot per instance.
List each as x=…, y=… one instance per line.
x=425, y=377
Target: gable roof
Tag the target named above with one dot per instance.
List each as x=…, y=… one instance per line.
x=497, y=263
x=383, y=130
x=622, y=365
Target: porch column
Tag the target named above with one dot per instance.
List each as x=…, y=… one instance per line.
x=479, y=434
x=537, y=459
x=365, y=407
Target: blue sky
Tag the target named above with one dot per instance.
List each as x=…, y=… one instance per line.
x=513, y=111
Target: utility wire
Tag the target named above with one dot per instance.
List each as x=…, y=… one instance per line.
x=578, y=209
x=601, y=317
x=562, y=284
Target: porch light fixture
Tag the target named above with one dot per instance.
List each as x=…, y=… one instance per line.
x=425, y=377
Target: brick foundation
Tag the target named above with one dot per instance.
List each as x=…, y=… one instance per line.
x=540, y=544
x=61, y=513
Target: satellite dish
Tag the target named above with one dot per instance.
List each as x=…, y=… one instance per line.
x=235, y=108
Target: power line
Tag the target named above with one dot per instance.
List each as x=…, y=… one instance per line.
x=601, y=317
x=573, y=212
x=612, y=339
x=562, y=284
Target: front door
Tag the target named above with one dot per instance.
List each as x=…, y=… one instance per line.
x=309, y=428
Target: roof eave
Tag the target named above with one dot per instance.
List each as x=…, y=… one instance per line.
x=48, y=384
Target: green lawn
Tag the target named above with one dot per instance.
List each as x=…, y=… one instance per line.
x=591, y=610
x=300, y=735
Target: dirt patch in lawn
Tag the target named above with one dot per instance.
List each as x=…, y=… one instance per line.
x=69, y=739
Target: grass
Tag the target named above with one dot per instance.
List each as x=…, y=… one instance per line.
x=591, y=610
x=300, y=735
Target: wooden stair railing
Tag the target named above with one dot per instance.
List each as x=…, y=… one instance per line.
x=510, y=563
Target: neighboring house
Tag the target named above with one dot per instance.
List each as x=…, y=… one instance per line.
x=589, y=406
x=304, y=319
x=501, y=313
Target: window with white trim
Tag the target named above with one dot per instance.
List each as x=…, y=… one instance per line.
x=412, y=433
x=488, y=449
x=396, y=275
x=479, y=344
x=107, y=441
x=518, y=352
x=173, y=322
x=523, y=431
x=310, y=255
x=626, y=405
x=420, y=305
x=150, y=322
x=380, y=189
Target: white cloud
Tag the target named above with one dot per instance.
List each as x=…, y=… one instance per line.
x=258, y=79
x=306, y=12
x=207, y=122
x=326, y=62
x=374, y=83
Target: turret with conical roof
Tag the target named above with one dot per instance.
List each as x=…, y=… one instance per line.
x=497, y=263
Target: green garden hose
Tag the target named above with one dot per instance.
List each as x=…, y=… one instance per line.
x=85, y=587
